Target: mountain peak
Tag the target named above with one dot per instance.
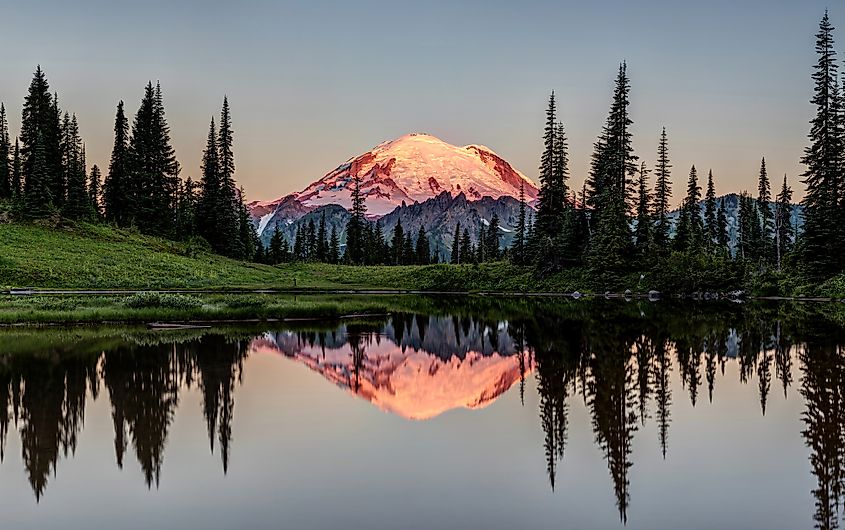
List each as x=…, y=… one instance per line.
x=416, y=167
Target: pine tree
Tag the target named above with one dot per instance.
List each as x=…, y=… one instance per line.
x=722, y=229
x=153, y=169
x=298, y=244
x=422, y=250
x=40, y=131
x=322, y=240
x=229, y=224
x=491, y=241
x=355, y=226
x=334, y=247
x=711, y=227
x=397, y=243
x=408, y=254
x=116, y=188
x=187, y=203
x=94, y=190
x=643, y=231
x=208, y=222
x=767, y=218
x=662, y=194
x=613, y=165
x=467, y=250
x=456, y=245
x=518, y=245
x=17, y=171
x=248, y=240
x=77, y=204
x=275, y=249
x=5, y=152
x=822, y=240
x=783, y=223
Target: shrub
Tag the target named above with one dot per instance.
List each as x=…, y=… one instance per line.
x=166, y=300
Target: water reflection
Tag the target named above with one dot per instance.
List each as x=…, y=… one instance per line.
x=618, y=361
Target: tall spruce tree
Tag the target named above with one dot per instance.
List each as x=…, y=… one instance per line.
x=397, y=244
x=643, y=230
x=5, y=160
x=421, y=248
x=783, y=223
x=355, y=226
x=722, y=230
x=94, y=192
x=767, y=216
x=823, y=235
x=17, y=171
x=662, y=194
x=322, y=240
x=40, y=131
x=153, y=169
x=518, y=245
x=77, y=204
x=614, y=165
x=208, y=207
x=456, y=245
x=491, y=240
x=230, y=224
x=117, y=201
x=711, y=225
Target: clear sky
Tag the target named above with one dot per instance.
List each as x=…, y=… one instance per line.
x=312, y=83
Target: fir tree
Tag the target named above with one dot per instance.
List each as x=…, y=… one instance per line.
x=229, y=223
x=274, y=251
x=491, y=241
x=467, y=250
x=322, y=240
x=208, y=223
x=397, y=244
x=247, y=238
x=722, y=229
x=355, y=226
x=783, y=223
x=186, y=209
x=711, y=224
x=518, y=246
x=17, y=171
x=334, y=247
x=822, y=240
x=423, y=252
x=40, y=131
x=690, y=235
x=662, y=194
x=764, y=197
x=643, y=231
x=77, y=204
x=408, y=255
x=456, y=245
x=94, y=190
x=116, y=200
x=5, y=152
x=298, y=244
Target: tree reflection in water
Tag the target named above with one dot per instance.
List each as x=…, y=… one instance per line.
x=618, y=359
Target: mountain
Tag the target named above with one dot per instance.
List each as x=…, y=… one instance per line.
x=415, y=367
x=411, y=168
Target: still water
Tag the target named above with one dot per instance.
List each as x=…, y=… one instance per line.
x=489, y=414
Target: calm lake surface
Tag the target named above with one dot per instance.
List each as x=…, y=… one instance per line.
x=476, y=414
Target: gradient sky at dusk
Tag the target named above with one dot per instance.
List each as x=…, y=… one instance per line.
x=313, y=83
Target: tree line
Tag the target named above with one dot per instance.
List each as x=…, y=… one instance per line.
x=44, y=173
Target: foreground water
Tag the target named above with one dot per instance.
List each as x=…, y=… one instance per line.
x=483, y=415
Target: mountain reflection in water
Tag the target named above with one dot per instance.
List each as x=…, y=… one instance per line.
x=629, y=366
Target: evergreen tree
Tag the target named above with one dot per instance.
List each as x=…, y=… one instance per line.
x=116, y=188
x=311, y=241
x=94, y=190
x=711, y=223
x=491, y=241
x=690, y=234
x=456, y=245
x=722, y=229
x=662, y=194
x=408, y=254
x=5, y=152
x=153, y=170
x=467, y=250
x=423, y=252
x=643, y=231
x=518, y=245
x=355, y=226
x=17, y=171
x=334, y=247
x=208, y=222
x=77, y=204
x=228, y=200
x=186, y=209
x=378, y=254
x=745, y=231
x=322, y=240
x=274, y=251
x=248, y=240
x=823, y=236
x=397, y=244
x=40, y=131
x=783, y=223
x=613, y=165
x=767, y=217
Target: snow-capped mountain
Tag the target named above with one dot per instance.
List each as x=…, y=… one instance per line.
x=411, y=168
x=416, y=367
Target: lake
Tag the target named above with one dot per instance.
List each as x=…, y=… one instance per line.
x=476, y=413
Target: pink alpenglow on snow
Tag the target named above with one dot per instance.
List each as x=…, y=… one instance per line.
x=416, y=167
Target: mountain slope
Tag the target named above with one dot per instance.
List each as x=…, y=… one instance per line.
x=411, y=168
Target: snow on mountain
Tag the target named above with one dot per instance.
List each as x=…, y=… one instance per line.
x=413, y=168
x=415, y=367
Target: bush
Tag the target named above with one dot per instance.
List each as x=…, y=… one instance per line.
x=165, y=300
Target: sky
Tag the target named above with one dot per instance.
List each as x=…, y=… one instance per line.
x=314, y=83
